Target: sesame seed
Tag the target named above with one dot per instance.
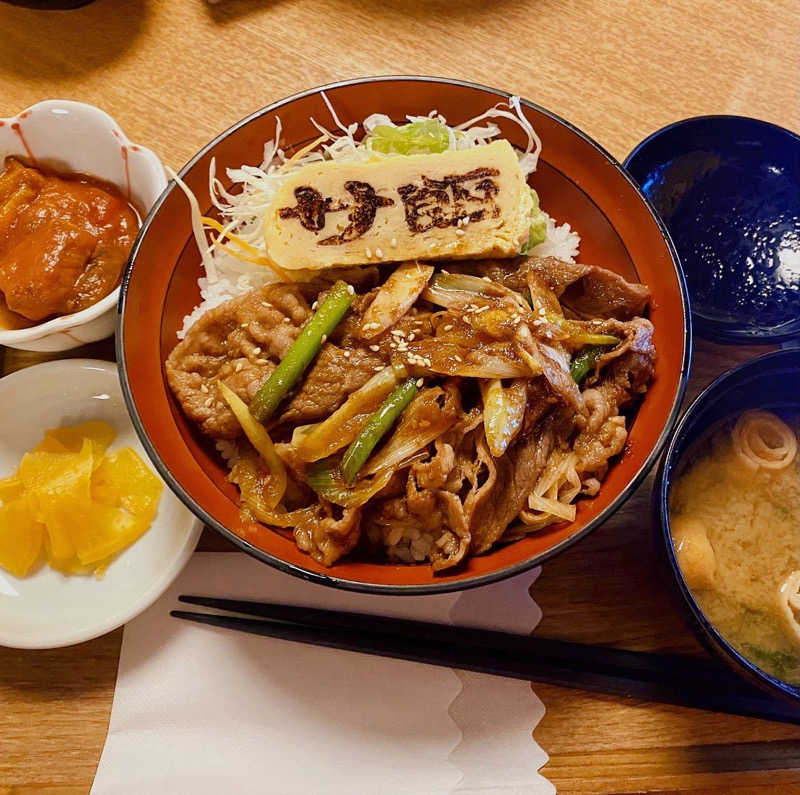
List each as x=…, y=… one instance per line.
x=379, y=253
x=402, y=347
x=448, y=327
x=486, y=279
x=375, y=348
x=346, y=354
x=262, y=361
x=394, y=242
x=458, y=358
x=265, y=303
x=204, y=388
x=368, y=326
x=315, y=305
x=351, y=289
x=324, y=338
x=411, y=336
x=368, y=252
x=256, y=351
x=287, y=320
x=238, y=367
x=541, y=311
x=480, y=309
x=209, y=403
x=420, y=382
x=446, y=273
x=393, y=346
x=398, y=332
x=466, y=220
x=377, y=368
x=459, y=232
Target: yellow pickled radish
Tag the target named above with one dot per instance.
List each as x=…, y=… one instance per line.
x=75, y=504
x=21, y=537
x=70, y=439
x=11, y=488
x=123, y=479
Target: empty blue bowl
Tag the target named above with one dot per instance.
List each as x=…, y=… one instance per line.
x=728, y=190
x=770, y=382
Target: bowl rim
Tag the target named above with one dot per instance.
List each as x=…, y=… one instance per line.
x=704, y=117
x=710, y=329
x=663, y=484
x=381, y=588
x=62, y=323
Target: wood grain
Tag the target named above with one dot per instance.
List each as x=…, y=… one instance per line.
x=175, y=73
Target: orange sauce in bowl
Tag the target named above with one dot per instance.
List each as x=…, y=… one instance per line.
x=64, y=240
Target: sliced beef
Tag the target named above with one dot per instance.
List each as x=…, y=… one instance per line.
x=622, y=376
x=239, y=342
x=327, y=537
x=329, y=381
x=602, y=293
x=541, y=399
x=631, y=364
x=454, y=498
x=595, y=448
x=517, y=473
x=552, y=362
x=588, y=291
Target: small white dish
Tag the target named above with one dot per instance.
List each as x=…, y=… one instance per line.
x=48, y=609
x=73, y=136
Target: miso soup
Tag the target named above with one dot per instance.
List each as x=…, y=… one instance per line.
x=735, y=521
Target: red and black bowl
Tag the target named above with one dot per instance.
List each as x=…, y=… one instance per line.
x=578, y=182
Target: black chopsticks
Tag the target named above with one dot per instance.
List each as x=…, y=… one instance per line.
x=671, y=679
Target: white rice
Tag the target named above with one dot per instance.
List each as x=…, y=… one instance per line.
x=228, y=450
x=561, y=242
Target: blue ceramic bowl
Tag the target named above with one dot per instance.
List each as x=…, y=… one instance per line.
x=728, y=190
x=770, y=382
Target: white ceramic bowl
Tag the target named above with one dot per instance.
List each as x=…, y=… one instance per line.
x=49, y=609
x=73, y=136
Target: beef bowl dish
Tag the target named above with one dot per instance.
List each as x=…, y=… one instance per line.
x=399, y=348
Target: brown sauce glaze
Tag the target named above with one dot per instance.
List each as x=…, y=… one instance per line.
x=312, y=207
x=451, y=200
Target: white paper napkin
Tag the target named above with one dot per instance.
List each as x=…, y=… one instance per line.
x=205, y=711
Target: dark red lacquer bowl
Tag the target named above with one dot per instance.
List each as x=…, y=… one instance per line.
x=577, y=182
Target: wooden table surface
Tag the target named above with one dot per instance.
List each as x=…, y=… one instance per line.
x=174, y=73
